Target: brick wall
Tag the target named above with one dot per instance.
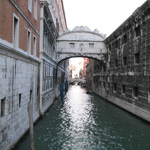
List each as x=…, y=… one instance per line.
x=7, y=10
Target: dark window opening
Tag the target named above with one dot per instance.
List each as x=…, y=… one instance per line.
x=30, y=95
x=110, y=64
x=125, y=61
x=20, y=95
x=119, y=43
x=91, y=45
x=135, y=91
x=123, y=89
x=104, y=68
x=137, y=58
x=108, y=85
x=125, y=39
x=115, y=88
x=100, y=83
x=137, y=31
x=104, y=84
x=71, y=45
x=109, y=47
x=3, y=107
x=116, y=63
x=116, y=44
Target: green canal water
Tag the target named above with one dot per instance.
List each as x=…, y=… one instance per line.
x=87, y=122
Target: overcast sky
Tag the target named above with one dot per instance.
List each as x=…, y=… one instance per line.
x=104, y=15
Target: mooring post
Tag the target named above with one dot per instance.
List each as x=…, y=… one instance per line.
x=30, y=114
x=62, y=93
x=66, y=88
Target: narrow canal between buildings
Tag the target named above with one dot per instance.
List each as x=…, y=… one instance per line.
x=87, y=122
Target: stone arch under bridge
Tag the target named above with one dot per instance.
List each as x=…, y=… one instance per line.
x=81, y=42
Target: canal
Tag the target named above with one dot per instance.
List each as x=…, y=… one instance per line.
x=87, y=122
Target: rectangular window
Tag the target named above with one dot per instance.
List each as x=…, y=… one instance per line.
x=109, y=47
x=123, y=89
x=110, y=64
x=91, y=45
x=34, y=46
x=30, y=95
x=45, y=71
x=125, y=61
x=30, y=5
x=15, y=32
x=137, y=31
x=108, y=86
x=104, y=84
x=104, y=68
x=135, y=91
x=35, y=9
x=37, y=91
x=114, y=88
x=20, y=96
x=125, y=39
x=100, y=83
x=71, y=45
x=3, y=107
x=119, y=43
x=29, y=42
x=116, y=63
x=137, y=58
x=116, y=44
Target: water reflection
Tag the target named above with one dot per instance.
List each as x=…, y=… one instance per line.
x=79, y=112
x=87, y=122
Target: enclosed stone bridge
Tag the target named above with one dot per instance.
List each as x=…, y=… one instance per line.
x=76, y=80
x=81, y=42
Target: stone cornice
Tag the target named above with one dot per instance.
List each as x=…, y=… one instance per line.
x=7, y=49
x=82, y=31
x=24, y=16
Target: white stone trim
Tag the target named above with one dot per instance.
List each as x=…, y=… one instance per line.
x=34, y=46
x=35, y=9
x=9, y=47
x=15, y=45
x=29, y=42
x=30, y=5
x=24, y=16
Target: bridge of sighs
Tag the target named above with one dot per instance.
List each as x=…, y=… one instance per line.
x=81, y=42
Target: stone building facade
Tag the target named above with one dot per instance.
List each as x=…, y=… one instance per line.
x=85, y=63
x=52, y=23
x=19, y=67
x=125, y=78
x=89, y=74
x=28, y=67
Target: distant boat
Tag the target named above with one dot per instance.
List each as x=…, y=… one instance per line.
x=72, y=83
x=89, y=92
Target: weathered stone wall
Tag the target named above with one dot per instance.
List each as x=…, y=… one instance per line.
x=89, y=74
x=58, y=14
x=19, y=83
x=48, y=85
x=126, y=81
